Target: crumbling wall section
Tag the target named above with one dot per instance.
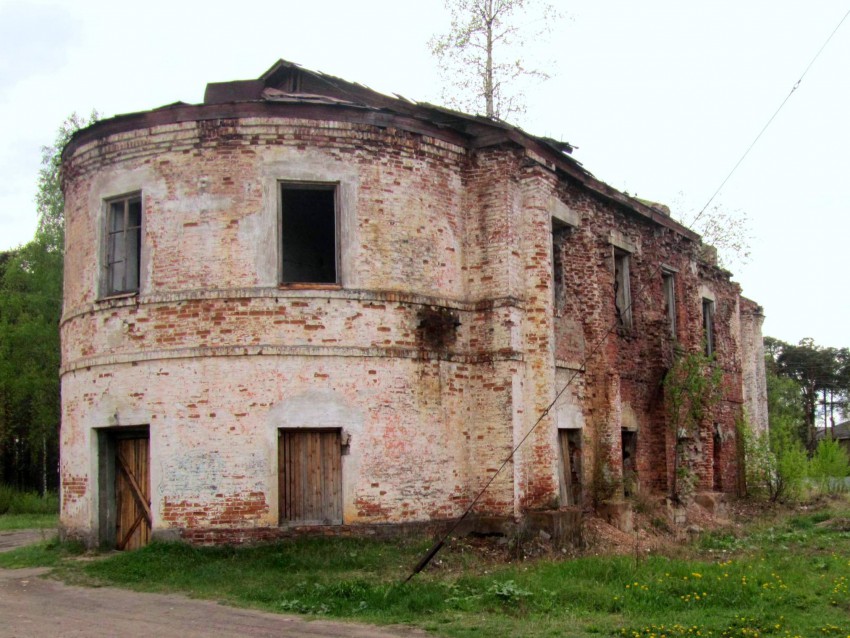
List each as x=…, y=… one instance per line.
x=216, y=357
x=752, y=359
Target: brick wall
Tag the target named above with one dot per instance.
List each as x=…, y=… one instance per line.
x=215, y=357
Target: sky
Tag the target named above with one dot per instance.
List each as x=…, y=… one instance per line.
x=661, y=99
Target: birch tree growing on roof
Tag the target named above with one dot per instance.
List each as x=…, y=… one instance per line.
x=478, y=57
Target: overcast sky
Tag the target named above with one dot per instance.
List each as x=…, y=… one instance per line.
x=660, y=97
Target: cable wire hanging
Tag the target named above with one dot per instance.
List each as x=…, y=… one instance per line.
x=429, y=555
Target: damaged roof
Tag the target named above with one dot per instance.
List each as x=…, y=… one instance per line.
x=322, y=96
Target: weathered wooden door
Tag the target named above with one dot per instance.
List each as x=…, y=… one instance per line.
x=569, y=442
x=132, y=493
x=310, y=476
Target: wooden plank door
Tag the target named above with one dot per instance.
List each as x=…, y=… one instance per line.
x=569, y=442
x=310, y=476
x=132, y=493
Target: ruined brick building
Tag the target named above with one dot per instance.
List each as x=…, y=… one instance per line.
x=306, y=303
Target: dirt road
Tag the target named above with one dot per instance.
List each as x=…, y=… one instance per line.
x=18, y=537
x=31, y=606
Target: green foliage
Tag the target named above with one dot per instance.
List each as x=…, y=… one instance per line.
x=48, y=553
x=829, y=466
x=13, y=501
x=776, y=463
x=692, y=388
x=822, y=374
x=49, y=201
x=777, y=466
x=783, y=578
x=784, y=407
x=792, y=463
x=509, y=592
x=29, y=521
x=30, y=309
x=760, y=461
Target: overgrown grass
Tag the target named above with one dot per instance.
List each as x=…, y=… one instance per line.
x=28, y=521
x=13, y=501
x=788, y=578
x=25, y=510
x=48, y=553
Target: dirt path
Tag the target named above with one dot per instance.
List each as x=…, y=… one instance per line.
x=31, y=606
x=17, y=538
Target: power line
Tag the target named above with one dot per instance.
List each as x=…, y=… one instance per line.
x=602, y=340
x=770, y=121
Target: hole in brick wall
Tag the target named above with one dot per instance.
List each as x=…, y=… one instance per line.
x=437, y=327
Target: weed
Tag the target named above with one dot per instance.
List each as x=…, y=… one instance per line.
x=508, y=592
x=788, y=577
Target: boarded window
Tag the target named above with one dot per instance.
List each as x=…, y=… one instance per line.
x=570, y=444
x=622, y=291
x=308, y=233
x=310, y=477
x=669, y=284
x=123, y=244
x=708, y=326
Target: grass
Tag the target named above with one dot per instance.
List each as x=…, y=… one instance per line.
x=790, y=577
x=27, y=510
x=48, y=553
x=14, y=501
x=28, y=521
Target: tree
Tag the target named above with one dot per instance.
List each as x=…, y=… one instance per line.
x=821, y=373
x=784, y=408
x=474, y=55
x=30, y=308
x=727, y=231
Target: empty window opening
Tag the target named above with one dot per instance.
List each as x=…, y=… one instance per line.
x=630, y=478
x=570, y=447
x=560, y=233
x=310, y=477
x=622, y=292
x=308, y=231
x=708, y=326
x=124, y=243
x=716, y=455
x=669, y=285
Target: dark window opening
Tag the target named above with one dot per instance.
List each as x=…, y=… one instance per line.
x=308, y=234
x=669, y=283
x=622, y=292
x=560, y=233
x=124, y=245
x=708, y=326
x=629, y=445
x=716, y=462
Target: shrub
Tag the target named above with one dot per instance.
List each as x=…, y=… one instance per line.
x=760, y=464
x=776, y=463
x=792, y=464
x=13, y=501
x=829, y=466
